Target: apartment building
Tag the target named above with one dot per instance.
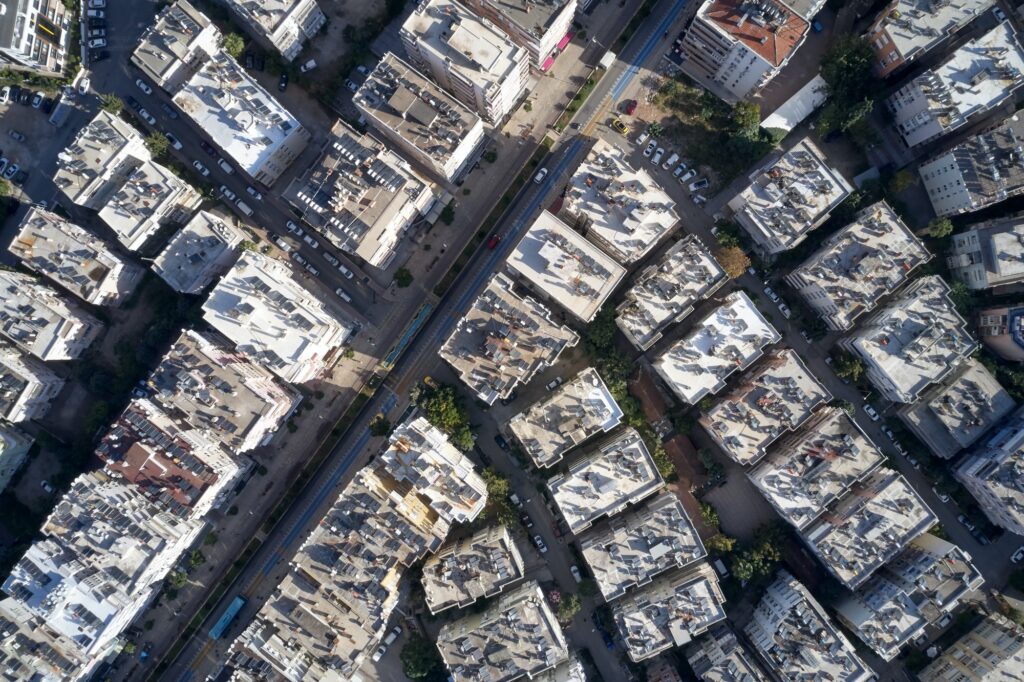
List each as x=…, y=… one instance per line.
x=14, y=447
x=773, y=400
x=954, y=413
x=618, y=472
x=907, y=30
x=361, y=196
x=718, y=656
x=503, y=340
x=921, y=585
x=543, y=27
x=621, y=209
x=993, y=649
x=978, y=77
x=562, y=266
x=789, y=197
x=575, y=412
x=200, y=252
x=667, y=290
x=1001, y=330
x=74, y=259
x=994, y=474
x=429, y=126
x=858, y=266
x=980, y=171
x=728, y=340
x=634, y=548
x=180, y=40
x=914, y=341
x=989, y=254
x=216, y=392
x=35, y=36
x=108, y=168
x=27, y=386
x=796, y=639
x=250, y=127
x=273, y=320
x=41, y=321
x=735, y=47
x=867, y=528
x=478, y=567
x=467, y=55
x=281, y=25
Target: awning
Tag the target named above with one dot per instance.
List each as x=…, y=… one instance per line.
x=547, y=63
x=565, y=40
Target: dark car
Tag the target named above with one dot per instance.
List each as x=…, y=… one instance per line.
x=169, y=110
x=132, y=102
x=15, y=93
x=48, y=105
x=502, y=443
x=249, y=61
x=510, y=398
x=282, y=83
x=20, y=137
x=208, y=148
x=525, y=519
x=20, y=177
x=630, y=107
x=97, y=23
x=260, y=62
x=493, y=241
x=25, y=97
x=99, y=56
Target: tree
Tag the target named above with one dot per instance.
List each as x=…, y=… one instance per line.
x=111, y=103
x=380, y=426
x=178, y=579
x=848, y=70
x=733, y=260
x=568, y=608
x=940, y=227
x=746, y=117
x=234, y=45
x=963, y=298
x=129, y=648
x=846, y=406
x=709, y=515
x=849, y=367
x=157, y=144
x=420, y=658
x=448, y=214
x=901, y=181
x=499, y=506
x=599, y=336
x=403, y=278
x=720, y=544
x=5, y=188
x=444, y=409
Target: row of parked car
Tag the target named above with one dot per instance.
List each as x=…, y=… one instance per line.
x=94, y=29
x=682, y=172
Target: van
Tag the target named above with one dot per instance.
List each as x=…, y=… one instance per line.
x=225, y=166
x=244, y=207
x=720, y=567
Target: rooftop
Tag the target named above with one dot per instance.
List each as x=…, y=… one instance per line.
x=994, y=472
x=533, y=15
x=405, y=101
x=27, y=385
x=144, y=197
x=789, y=197
x=179, y=33
x=360, y=195
x=719, y=656
x=957, y=411
x=796, y=638
x=273, y=319
x=989, y=254
x=202, y=382
x=104, y=152
x=245, y=120
x=730, y=339
x=667, y=290
x=74, y=259
x=769, y=29
x=868, y=527
x=503, y=340
x=565, y=267
x=517, y=635
x=199, y=252
x=993, y=649
x=916, y=26
x=978, y=76
x=914, y=340
x=815, y=467
x=576, y=411
x=421, y=456
x=41, y=321
x=267, y=14
x=1001, y=329
x=858, y=266
x=669, y=612
x=625, y=210
x=613, y=475
x=637, y=546
x=479, y=566
x=776, y=398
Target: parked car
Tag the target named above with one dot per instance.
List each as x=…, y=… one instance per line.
x=97, y=23
x=541, y=174
x=225, y=166
x=772, y=295
x=686, y=176
x=981, y=538
x=3, y=164
x=99, y=56
x=670, y=161
x=147, y=117
x=45, y=485
x=651, y=146
x=514, y=499
x=345, y=271
x=806, y=336
x=169, y=110
x=95, y=14
x=913, y=462
x=329, y=257
x=657, y=156
x=37, y=100
x=282, y=244
x=554, y=383
x=888, y=433
x=244, y=207
x=254, y=193
x=16, y=135
x=966, y=522
x=97, y=4
x=999, y=14
x=311, y=269
x=899, y=448
x=619, y=126
x=871, y=412
x=203, y=170
x=11, y=171
x=298, y=258
x=576, y=573
x=282, y=83
x=207, y=147
x=293, y=228
x=83, y=86
x=642, y=137
x=510, y=398
x=5, y=94
x=132, y=102
x=699, y=184
x=342, y=295
x=227, y=193
x=501, y=442
x=309, y=240
x=97, y=32
x=493, y=241
x=20, y=177
x=308, y=66
x=630, y=107
x=144, y=86
x=943, y=497
x=175, y=142
x=1018, y=556
x=784, y=309
x=679, y=170
x=539, y=541
x=525, y=519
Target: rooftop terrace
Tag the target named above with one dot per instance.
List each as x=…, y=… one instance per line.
x=40, y=321
x=989, y=254
x=181, y=37
x=198, y=253
x=479, y=566
x=914, y=27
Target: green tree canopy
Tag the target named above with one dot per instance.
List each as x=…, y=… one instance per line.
x=157, y=144
x=420, y=658
x=849, y=367
x=234, y=45
x=733, y=260
x=380, y=426
x=746, y=117
x=111, y=103
x=568, y=608
x=940, y=227
x=403, y=278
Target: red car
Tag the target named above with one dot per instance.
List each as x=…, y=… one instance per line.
x=493, y=241
x=630, y=107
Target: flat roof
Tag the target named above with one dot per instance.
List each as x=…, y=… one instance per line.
x=869, y=526
x=41, y=321
x=178, y=32
x=479, y=566
x=916, y=26
x=579, y=409
x=637, y=546
x=769, y=29
x=994, y=471
x=667, y=290
x=144, y=197
x=989, y=254
x=729, y=339
x=719, y=656
x=529, y=14
x=816, y=467
x=26, y=384
x=103, y=151
x=565, y=267
x=616, y=473
x=626, y=211
x=503, y=340
x=198, y=253
x=267, y=14
x=778, y=397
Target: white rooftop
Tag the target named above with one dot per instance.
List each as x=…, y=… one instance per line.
x=989, y=254
x=779, y=397
x=916, y=26
x=718, y=656
x=103, y=151
x=479, y=566
x=626, y=211
x=273, y=319
x=144, y=198
x=728, y=340
x=994, y=473
x=563, y=266
x=200, y=252
x=576, y=411
x=667, y=290
x=615, y=474
x=27, y=385
x=815, y=467
x=637, y=546
x=41, y=321
x=180, y=36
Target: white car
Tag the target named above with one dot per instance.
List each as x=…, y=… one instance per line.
x=312, y=270
x=83, y=86
x=175, y=142
x=686, y=176
x=643, y=137
x=298, y=258
x=254, y=193
x=541, y=174
x=147, y=117
x=699, y=184
x=943, y=497
x=554, y=383
x=670, y=161
x=97, y=4
x=97, y=43
x=293, y=228
x=37, y=100
x=5, y=94
x=772, y=295
x=651, y=146
x=679, y=170
x=329, y=257
x=312, y=242
x=871, y=412
x=143, y=86
x=1018, y=556
x=225, y=166
x=342, y=295
x=96, y=14
x=227, y=193
x=657, y=156
x=784, y=309
x=576, y=573
x=11, y=171
x=203, y=170
x=539, y=541
x=345, y=271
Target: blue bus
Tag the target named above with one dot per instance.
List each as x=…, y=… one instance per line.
x=227, y=618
